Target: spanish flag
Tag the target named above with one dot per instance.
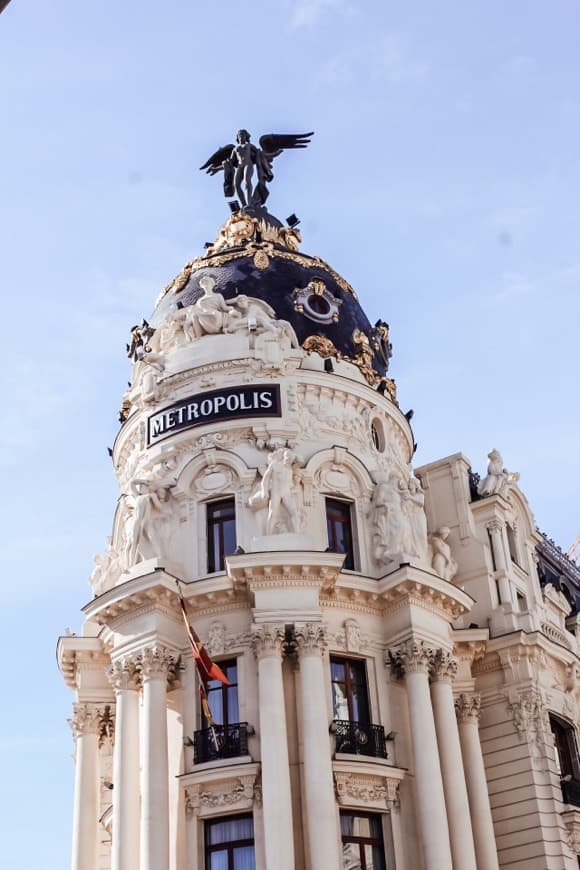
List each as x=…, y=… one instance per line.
x=207, y=669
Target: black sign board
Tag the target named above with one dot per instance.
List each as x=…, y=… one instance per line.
x=258, y=400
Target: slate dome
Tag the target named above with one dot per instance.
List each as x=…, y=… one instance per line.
x=255, y=255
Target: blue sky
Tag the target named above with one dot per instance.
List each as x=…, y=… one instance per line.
x=442, y=183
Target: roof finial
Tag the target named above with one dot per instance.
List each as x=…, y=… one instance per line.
x=239, y=162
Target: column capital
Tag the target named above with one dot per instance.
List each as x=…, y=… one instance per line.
x=310, y=638
x=495, y=525
x=268, y=640
x=86, y=719
x=468, y=708
x=409, y=658
x=443, y=666
x=156, y=662
x=123, y=673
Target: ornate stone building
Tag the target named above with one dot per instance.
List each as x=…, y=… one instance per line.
x=401, y=646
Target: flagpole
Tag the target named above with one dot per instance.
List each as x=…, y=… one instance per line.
x=196, y=655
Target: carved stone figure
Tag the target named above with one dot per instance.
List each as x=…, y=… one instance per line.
x=148, y=522
x=415, y=532
x=239, y=162
x=497, y=477
x=257, y=316
x=139, y=340
x=442, y=561
x=106, y=569
x=277, y=490
x=387, y=519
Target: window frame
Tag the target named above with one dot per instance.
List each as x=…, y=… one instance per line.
x=357, y=663
x=561, y=728
x=223, y=690
x=350, y=561
x=365, y=841
x=229, y=845
x=215, y=561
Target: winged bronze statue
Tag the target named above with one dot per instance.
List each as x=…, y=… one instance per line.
x=239, y=162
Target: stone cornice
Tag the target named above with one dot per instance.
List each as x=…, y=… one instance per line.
x=231, y=787
x=73, y=652
x=290, y=568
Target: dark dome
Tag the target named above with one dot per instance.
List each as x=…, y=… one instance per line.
x=320, y=305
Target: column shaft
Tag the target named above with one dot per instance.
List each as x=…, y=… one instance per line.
x=321, y=816
x=155, y=807
x=278, y=833
x=126, y=799
x=86, y=796
x=482, y=822
x=429, y=785
x=456, y=800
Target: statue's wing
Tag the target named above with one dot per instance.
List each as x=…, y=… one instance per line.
x=216, y=161
x=273, y=144
x=263, y=306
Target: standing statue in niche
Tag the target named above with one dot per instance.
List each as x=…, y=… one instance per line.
x=387, y=519
x=442, y=561
x=241, y=161
x=277, y=490
x=497, y=477
x=147, y=526
x=413, y=499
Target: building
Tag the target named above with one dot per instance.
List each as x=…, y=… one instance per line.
x=401, y=647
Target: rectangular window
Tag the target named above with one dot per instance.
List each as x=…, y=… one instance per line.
x=362, y=841
x=229, y=844
x=223, y=700
x=221, y=533
x=339, y=525
x=350, y=700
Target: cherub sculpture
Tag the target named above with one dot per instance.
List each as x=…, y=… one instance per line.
x=497, y=478
x=239, y=162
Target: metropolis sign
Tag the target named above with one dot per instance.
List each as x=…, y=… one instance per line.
x=259, y=400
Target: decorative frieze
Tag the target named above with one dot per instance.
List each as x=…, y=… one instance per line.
x=241, y=792
x=366, y=790
x=468, y=708
x=530, y=716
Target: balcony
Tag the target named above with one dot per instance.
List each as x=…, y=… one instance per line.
x=359, y=738
x=571, y=791
x=219, y=742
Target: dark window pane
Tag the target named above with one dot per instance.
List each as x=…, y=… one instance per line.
x=338, y=522
x=221, y=533
x=218, y=861
x=231, y=830
x=351, y=857
x=374, y=858
x=349, y=690
x=244, y=858
x=362, y=841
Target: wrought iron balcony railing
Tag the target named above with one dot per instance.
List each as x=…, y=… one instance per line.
x=359, y=738
x=221, y=741
x=571, y=791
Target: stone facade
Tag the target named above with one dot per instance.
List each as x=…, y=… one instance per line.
x=469, y=661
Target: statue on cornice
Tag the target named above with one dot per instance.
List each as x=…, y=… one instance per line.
x=147, y=523
x=240, y=161
x=387, y=518
x=497, y=478
x=413, y=500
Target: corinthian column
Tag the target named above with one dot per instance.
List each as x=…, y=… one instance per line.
x=278, y=835
x=156, y=664
x=443, y=673
x=468, y=708
x=321, y=817
x=126, y=801
x=85, y=728
x=412, y=662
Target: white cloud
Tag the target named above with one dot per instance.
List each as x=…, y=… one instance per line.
x=392, y=60
x=306, y=13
